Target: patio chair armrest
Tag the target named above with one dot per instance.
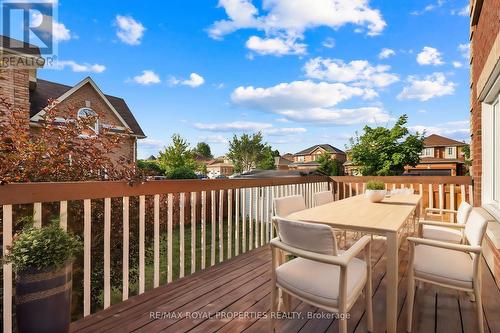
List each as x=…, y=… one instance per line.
x=442, y=224
x=439, y=210
x=324, y=258
x=357, y=247
x=450, y=246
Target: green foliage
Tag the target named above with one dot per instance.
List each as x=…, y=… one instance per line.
x=328, y=165
x=150, y=168
x=177, y=159
x=384, y=152
x=248, y=152
x=203, y=150
x=46, y=248
x=267, y=159
x=375, y=185
x=182, y=172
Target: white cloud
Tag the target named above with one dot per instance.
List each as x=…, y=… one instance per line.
x=249, y=126
x=148, y=146
x=464, y=11
x=275, y=46
x=308, y=101
x=457, y=64
x=464, y=50
x=429, y=56
x=456, y=129
x=214, y=139
x=431, y=86
x=290, y=19
x=147, y=78
x=76, y=67
x=129, y=30
x=360, y=72
x=194, y=81
x=59, y=31
x=429, y=7
x=386, y=53
x=329, y=43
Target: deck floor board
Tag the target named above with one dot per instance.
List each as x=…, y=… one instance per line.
x=241, y=285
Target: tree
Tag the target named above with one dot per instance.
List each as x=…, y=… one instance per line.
x=468, y=161
x=267, y=161
x=178, y=160
x=382, y=151
x=203, y=150
x=328, y=165
x=247, y=151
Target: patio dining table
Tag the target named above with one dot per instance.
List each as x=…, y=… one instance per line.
x=386, y=218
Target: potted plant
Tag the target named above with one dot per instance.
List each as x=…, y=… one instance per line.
x=375, y=191
x=42, y=259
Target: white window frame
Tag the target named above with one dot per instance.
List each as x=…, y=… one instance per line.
x=453, y=152
x=490, y=129
x=300, y=159
x=427, y=152
x=96, y=126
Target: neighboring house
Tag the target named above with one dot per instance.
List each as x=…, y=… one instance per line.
x=220, y=167
x=31, y=95
x=485, y=120
x=307, y=158
x=282, y=163
x=440, y=157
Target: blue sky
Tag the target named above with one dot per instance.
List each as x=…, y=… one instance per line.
x=304, y=72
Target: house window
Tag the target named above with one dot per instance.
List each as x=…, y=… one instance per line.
x=450, y=152
x=427, y=152
x=87, y=112
x=300, y=159
x=491, y=150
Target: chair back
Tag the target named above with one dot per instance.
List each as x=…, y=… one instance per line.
x=313, y=237
x=287, y=205
x=475, y=228
x=322, y=198
x=463, y=212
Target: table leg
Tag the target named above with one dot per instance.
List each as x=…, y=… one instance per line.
x=392, y=282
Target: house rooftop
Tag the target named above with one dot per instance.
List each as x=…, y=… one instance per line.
x=47, y=90
x=17, y=46
x=328, y=147
x=435, y=140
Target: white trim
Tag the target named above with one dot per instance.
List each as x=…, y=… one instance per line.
x=89, y=80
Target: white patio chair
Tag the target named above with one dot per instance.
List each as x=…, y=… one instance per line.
x=320, y=275
x=285, y=206
x=322, y=198
x=446, y=231
x=455, y=266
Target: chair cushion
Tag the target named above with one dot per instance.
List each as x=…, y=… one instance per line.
x=319, y=282
x=443, y=266
x=444, y=234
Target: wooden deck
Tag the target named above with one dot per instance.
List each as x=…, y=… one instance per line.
x=209, y=300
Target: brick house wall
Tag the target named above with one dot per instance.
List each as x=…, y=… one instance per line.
x=14, y=87
x=483, y=36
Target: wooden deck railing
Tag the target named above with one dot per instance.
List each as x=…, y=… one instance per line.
x=236, y=211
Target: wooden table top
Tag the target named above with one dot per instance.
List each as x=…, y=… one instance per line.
x=358, y=213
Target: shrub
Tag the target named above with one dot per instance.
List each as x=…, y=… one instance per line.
x=375, y=185
x=181, y=173
x=47, y=248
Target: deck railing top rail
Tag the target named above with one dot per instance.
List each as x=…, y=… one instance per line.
x=457, y=180
x=25, y=193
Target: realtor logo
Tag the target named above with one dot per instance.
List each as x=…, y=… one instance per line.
x=28, y=26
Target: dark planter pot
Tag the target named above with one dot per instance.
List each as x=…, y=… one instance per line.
x=43, y=300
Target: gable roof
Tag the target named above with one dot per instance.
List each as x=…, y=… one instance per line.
x=46, y=90
x=329, y=148
x=435, y=140
x=16, y=46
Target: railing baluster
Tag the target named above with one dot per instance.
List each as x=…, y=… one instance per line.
x=212, y=227
x=156, y=245
x=452, y=201
x=63, y=215
x=125, y=258
x=462, y=193
x=350, y=189
x=87, y=243
x=7, y=269
x=203, y=228
x=431, y=196
x=142, y=247
x=250, y=220
x=268, y=217
x=357, y=188
x=471, y=195
x=229, y=222
x=182, y=197
x=37, y=214
x=107, y=253
x=193, y=232
x=262, y=209
x=257, y=216
x=170, y=222
x=421, y=190
x=237, y=222
x=440, y=193
x=221, y=225
x=244, y=220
